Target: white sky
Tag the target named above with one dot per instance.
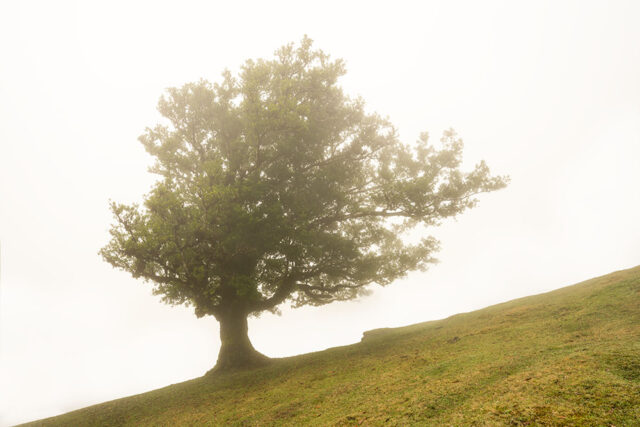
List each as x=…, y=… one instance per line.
x=547, y=92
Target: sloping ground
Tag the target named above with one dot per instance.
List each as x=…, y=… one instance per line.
x=567, y=357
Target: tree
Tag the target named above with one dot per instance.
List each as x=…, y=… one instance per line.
x=275, y=186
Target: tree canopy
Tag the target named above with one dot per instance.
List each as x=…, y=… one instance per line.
x=275, y=185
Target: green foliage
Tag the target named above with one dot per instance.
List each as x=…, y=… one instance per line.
x=570, y=357
x=275, y=185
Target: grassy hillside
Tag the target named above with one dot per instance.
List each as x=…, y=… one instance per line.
x=567, y=357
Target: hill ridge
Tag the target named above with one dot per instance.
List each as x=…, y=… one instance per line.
x=569, y=356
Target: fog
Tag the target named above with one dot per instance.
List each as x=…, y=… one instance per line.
x=546, y=92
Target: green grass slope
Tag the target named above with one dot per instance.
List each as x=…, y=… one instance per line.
x=567, y=357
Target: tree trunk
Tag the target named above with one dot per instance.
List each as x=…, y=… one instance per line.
x=236, y=351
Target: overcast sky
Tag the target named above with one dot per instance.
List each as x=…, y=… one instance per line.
x=546, y=92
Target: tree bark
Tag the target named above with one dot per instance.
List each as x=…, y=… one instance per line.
x=236, y=350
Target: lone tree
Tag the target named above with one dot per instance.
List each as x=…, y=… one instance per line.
x=275, y=186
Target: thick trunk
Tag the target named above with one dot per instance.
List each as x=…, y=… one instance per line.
x=236, y=351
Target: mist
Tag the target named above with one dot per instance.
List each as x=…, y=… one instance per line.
x=546, y=93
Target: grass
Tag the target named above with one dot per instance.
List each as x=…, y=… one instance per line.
x=567, y=357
